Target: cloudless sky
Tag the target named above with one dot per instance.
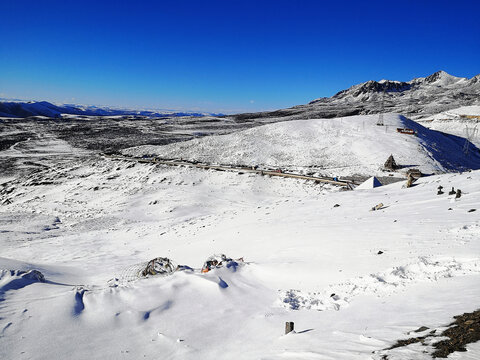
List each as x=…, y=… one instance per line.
x=228, y=55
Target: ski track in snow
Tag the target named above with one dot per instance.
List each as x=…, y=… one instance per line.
x=379, y=284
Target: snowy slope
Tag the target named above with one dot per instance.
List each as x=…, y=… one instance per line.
x=91, y=220
x=343, y=146
x=460, y=122
x=466, y=110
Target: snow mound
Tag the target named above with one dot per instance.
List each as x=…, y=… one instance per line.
x=370, y=183
x=340, y=146
x=17, y=279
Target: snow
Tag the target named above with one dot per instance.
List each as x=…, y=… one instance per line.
x=466, y=110
x=98, y=217
x=456, y=113
x=456, y=122
x=75, y=231
x=335, y=147
x=391, y=81
x=370, y=183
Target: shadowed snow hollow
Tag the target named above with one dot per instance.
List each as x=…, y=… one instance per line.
x=341, y=146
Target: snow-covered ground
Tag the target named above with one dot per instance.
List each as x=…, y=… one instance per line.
x=463, y=121
x=334, y=147
x=353, y=280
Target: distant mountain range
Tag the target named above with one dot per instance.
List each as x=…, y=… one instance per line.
x=418, y=98
x=22, y=109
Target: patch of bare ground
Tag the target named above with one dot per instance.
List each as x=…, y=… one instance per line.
x=464, y=330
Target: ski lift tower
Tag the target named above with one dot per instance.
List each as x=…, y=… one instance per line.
x=470, y=135
x=411, y=107
x=382, y=109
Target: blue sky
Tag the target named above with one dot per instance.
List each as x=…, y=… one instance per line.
x=227, y=56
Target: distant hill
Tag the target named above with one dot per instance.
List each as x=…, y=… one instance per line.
x=340, y=146
x=19, y=109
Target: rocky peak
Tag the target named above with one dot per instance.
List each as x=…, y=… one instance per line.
x=441, y=77
x=475, y=79
x=372, y=86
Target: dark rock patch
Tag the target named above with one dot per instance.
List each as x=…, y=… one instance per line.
x=464, y=330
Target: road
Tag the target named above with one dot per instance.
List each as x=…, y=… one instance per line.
x=344, y=183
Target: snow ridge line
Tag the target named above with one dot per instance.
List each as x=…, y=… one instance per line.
x=380, y=284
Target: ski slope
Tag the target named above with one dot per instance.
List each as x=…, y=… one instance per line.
x=335, y=147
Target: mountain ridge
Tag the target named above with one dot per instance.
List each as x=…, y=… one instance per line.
x=23, y=109
x=417, y=98
x=441, y=77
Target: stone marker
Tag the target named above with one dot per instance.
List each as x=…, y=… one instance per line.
x=289, y=327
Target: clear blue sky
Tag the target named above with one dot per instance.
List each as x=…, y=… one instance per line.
x=226, y=55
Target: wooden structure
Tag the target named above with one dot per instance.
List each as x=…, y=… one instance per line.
x=289, y=326
x=406, y=131
x=472, y=117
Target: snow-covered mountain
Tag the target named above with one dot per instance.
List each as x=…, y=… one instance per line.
x=19, y=109
x=420, y=97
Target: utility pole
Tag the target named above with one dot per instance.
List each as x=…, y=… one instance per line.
x=382, y=109
x=469, y=137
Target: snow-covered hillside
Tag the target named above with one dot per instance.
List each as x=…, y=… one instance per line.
x=463, y=121
x=353, y=280
x=342, y=146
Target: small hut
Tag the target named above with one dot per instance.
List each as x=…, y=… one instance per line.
x=390, y=164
